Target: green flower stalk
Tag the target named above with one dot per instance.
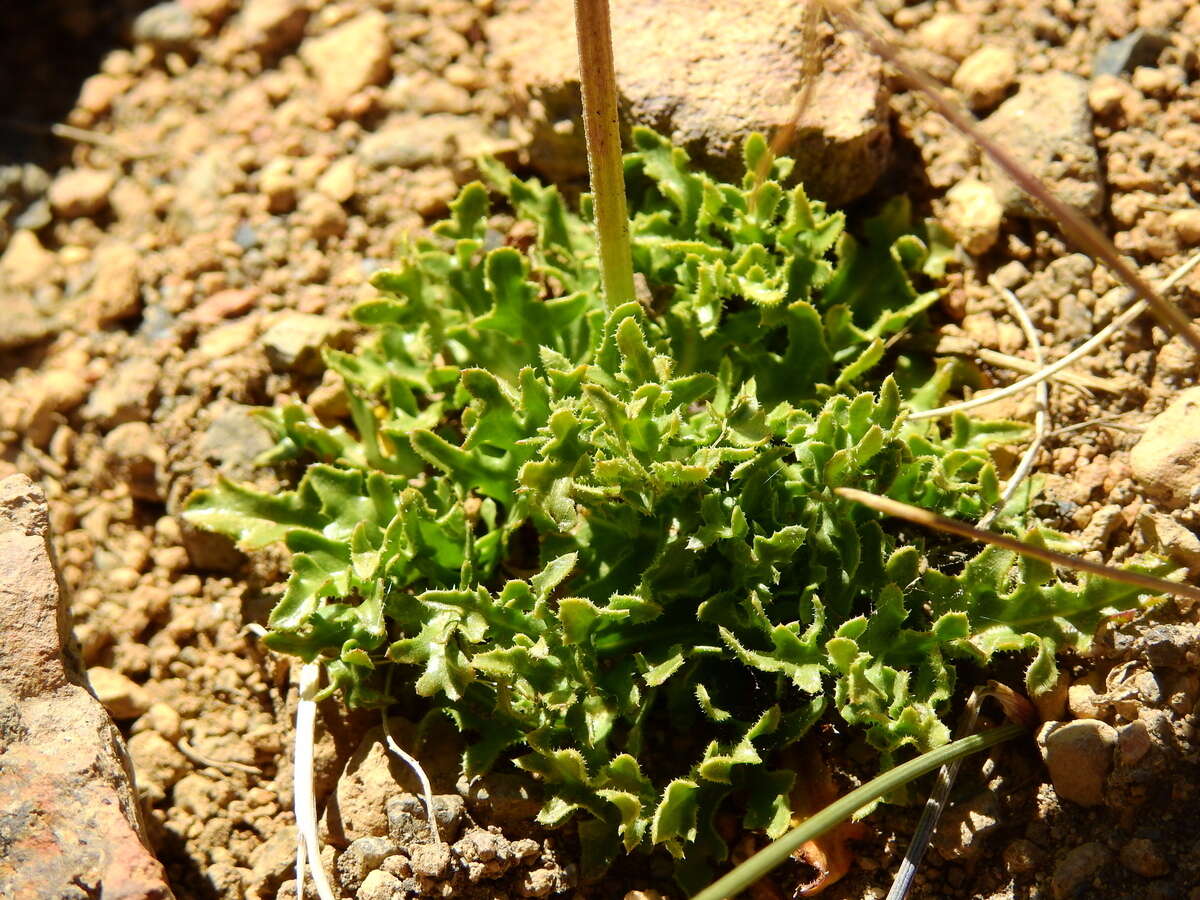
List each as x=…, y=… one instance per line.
x=598, y=82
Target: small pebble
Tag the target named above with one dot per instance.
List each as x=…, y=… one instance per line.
x=378, y=885
x=1076, y=870
x=123, y=698
x=1079, y=756
x=973, y=215
x=986, y=75
x=1143, y=857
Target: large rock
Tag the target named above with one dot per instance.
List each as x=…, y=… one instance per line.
x=706, y=75
x=1047, y=127
x=71, y=822
x=1166, y=460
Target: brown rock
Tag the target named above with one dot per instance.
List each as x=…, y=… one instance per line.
x=358, y=807
x=71, y=813
x=432, y=861
x=340, y=181
x=123, y=698
x=1143, y=857
x=1085, y=703
x=965, y=826
x=271, y=25
x=116, y=291
x=81, y=192
x=157, y=763
x=26, y=263
x=1133, y=743
x=707, y=76
x=1023, y=856
x=98, y=93
x=1166, y=461
x=24, y=322
x=136, y=456
x=294, y=342
x=950, y=34
x=350, y=57
x=224, y=304
x=126, y=394
x=1047, y=126
x=213, y=10
x=973, y=215
x=1077, y=869
x=1079, y=756
x=380, y=885
x=986, y=75
x=56, y=392
x=162, y=719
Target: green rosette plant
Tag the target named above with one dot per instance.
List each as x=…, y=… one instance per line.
x=605, y=541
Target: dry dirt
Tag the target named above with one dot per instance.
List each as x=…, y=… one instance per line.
x=179, y=257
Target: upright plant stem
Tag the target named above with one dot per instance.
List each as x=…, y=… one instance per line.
x=598, y=80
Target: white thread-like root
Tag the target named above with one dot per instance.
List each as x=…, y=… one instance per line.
x=307, y=844
x=426, y=787
x=1078, y=353
x=1041, y=418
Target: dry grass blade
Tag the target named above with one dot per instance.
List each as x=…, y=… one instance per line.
x=1000, y=360
x=941, y=523
x=808, y=79
x=1073, y=223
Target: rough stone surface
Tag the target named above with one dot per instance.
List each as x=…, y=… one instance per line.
x=360, y=858
x=706, y=75
x=1076, y=869
x=115, y=293
x=1143, y=857
x=1166, y=461
x=408, y=822
x=167, y=26
x=349, y=57
x=1079, y=756
x=271, y=25
x=964, y=827
x=358, y=807
x=432, y=861
x=973, y=215
x=986, y=75
x=1047, y=126
x=71, y=814
x=294, y=342
x=121, y=697
x=136, y=455
x=81, y=192
x=378, y=885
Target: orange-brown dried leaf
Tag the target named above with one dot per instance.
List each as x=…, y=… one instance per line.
x=830, y=855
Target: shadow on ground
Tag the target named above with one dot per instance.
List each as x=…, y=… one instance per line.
x=47, y=50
